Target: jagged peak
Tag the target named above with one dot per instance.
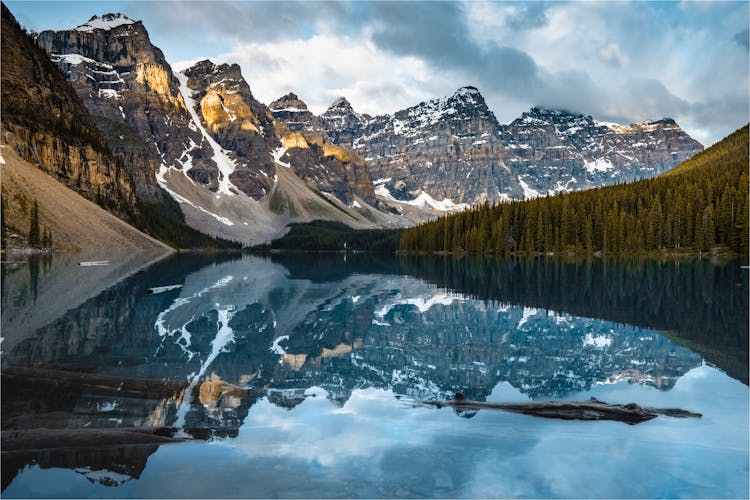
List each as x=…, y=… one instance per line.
x=663, y=121
x=560, y=118
x=539, y=111
x=105, y=22
x=288, y=102
x=340, y=103
x=649, y=125
x=467, y=90
x=205, y=66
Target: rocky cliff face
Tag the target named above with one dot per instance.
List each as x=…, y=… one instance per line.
x=221, y=100
x=242, y=171
x=341, y=122
x=291, y=110
x=452, y=150
x=448, y=149
x=558, y=151
x=205, y=138
x=125, y=82
x=46, y=123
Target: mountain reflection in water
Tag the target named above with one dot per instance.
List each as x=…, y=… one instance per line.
x=282, y=329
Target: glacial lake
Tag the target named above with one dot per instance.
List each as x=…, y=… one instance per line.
x=301, y=376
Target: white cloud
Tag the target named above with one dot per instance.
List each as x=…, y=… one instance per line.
x=327, y=66
x=618, y=62
x=611, y=54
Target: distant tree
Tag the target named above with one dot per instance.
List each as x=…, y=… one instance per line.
x=3, y=222
x=47, y=237
x=34, y=235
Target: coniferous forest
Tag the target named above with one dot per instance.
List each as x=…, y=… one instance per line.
x=700, y=206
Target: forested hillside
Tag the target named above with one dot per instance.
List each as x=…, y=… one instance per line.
x=701, y=205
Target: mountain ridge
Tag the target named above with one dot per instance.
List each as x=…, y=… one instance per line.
x=217, y=150
x=436, y=146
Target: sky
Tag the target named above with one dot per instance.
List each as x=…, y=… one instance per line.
x=623, y=62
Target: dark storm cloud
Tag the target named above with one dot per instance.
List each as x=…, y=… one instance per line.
x=743, y=39
x=227, y=23
x=437, y=33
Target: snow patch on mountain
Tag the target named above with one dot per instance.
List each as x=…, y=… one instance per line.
x=424, y=200
x=225, y=164
x=277, y=154
x=160, y=178
x=75, y=59
x=528, y=192
x=105, y=22
x=598, y=165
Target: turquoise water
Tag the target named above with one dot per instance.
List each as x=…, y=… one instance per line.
x=302, y=376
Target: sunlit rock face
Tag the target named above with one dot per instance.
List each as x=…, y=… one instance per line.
x=201, y=135
x=46, y=124
x=293, y=112
x=125, y=82
x=239, y=123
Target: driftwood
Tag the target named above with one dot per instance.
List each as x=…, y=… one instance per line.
x=162, y=289
x=592, y=409
x=40, y=439
x=93, y=263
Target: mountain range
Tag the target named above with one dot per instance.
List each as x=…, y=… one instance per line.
x=241, y=170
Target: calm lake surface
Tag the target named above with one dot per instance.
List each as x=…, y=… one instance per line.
x=301, y=376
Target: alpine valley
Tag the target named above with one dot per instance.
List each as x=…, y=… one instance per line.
x=125, y=130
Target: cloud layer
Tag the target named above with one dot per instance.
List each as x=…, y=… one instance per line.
x=618, y=61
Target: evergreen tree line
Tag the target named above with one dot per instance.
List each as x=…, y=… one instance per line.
x=320, y=235
x=700, y=205
x=39, y=236
x=703, y=306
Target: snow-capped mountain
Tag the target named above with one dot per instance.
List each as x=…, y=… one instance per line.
x=202, y=135
x=243, y=171
x=556, y=151
x=454, y=150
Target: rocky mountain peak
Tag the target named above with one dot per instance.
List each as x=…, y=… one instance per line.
x=664, y=122
x=289, y=102
x=469, y=95
x=556, y=123
x=451, y=111
x=341, y=104
x=341, y=120
x=550, y=116
x=293, y=111
x=106, y=22
x=224, y=75
x=203, y=67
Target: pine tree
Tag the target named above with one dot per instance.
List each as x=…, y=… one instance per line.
x=34, y=225
x=3, y=222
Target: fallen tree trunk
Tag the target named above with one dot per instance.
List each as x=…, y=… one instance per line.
x=592, y=409
x=162, y=289
x=42, y=439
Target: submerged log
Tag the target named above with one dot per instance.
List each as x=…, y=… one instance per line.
x=42, y=439
x=91, y=263
x=592, y=409
x=162, y=289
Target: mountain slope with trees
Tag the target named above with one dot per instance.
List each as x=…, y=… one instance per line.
x=700, y=206
x=45, y=122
